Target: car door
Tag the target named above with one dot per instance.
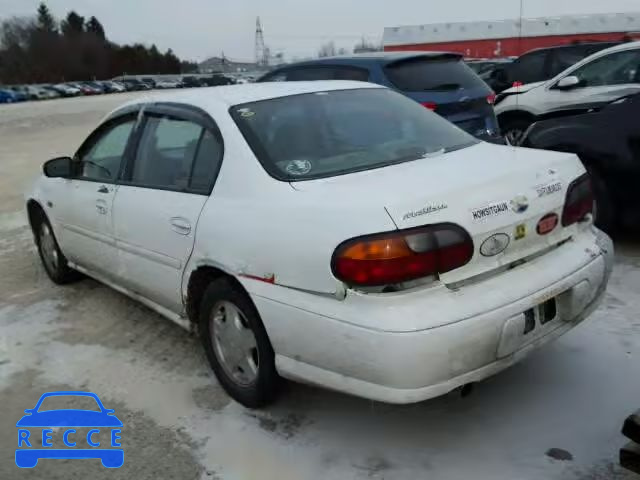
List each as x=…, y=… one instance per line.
x=163, y=189
x=83, y=204
x=615, y=71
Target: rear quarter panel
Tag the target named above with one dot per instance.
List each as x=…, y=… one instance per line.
x=253, y=225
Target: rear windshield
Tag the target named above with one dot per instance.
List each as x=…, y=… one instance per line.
x=333, y=133
x=424, y=74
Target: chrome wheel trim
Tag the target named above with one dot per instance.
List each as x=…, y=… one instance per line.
x=48, y=248
x=514, y=136
x=234, y=343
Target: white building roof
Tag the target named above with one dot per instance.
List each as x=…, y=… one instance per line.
x=531, y=27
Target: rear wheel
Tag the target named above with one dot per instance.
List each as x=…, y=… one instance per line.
x=514, y=129
x=237, y=345
x=53, y=260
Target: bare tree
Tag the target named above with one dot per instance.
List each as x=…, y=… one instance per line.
x=327, y=50
x=365, y=46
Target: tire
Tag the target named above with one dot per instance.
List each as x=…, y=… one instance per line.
x=53, y=260
x=603, y=209
x=514, y=129
x=237, y=345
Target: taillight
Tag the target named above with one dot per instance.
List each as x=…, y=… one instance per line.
x=403, y=255
x=517, y=84
x=429, y=105
x=491, y=99
x=578, y=202
x=547, y=224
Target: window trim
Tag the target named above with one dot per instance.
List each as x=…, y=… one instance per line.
x=178, y=111
x=115, y=119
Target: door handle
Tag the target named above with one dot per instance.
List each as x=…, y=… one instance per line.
x=101, y=207
x=180, y=225
x=103, y=189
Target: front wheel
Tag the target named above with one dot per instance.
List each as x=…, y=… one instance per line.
x=237, y=344
x=514, y=130
x=53, y=260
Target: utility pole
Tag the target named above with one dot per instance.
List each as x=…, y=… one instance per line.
x=260, y=50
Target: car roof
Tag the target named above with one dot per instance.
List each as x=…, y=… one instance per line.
x=367, y=58
x=570, y=46
x=230, y=95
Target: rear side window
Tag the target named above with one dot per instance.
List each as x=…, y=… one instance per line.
x=207, y=163
x=563, y=58
x=327, y=73
x=530, y=68
x=176, y=154
x=423, y=74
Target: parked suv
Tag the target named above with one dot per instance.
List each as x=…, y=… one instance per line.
x=441, y=82
x=540, y=64
x=610, y=70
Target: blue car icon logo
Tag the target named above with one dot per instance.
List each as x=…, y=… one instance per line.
x=36, y=433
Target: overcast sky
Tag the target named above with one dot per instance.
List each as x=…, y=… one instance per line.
x=198, y=29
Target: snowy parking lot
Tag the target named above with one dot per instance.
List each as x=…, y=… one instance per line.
x=557, y=415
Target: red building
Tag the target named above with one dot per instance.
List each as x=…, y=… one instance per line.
x=506, y=38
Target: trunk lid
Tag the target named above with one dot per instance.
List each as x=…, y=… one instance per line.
x=486, y=189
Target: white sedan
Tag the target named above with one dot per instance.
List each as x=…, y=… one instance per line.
x=335, y=233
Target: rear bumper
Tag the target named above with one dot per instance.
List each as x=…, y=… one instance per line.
x=408, y=347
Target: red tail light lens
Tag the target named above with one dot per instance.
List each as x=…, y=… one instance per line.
x=430, y=105
x=579, y=201
x=491, y=99
x=517, y=84
x=547, y=224
x=403, y=255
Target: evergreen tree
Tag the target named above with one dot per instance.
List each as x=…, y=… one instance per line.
x=95, y=27
x=46, y=22
x=73, y=24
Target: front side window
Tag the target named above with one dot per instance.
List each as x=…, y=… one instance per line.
x=614, y=69
x=101, y=157
x=332, y=133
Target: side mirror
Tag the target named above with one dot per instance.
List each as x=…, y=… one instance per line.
x=60, y=167
x=567, y=83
